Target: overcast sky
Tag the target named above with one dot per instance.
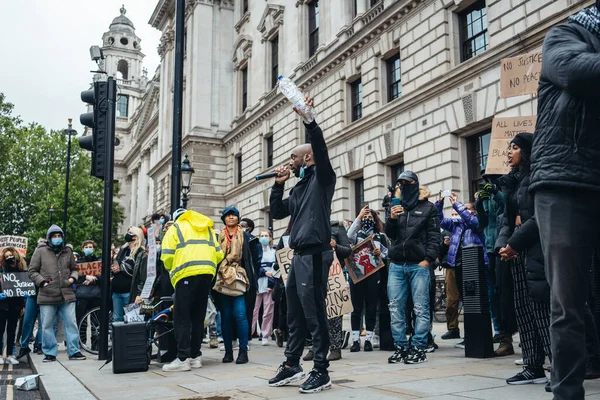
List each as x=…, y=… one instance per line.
x=44, y=53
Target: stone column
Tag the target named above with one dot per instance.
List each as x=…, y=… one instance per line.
x=134, y=197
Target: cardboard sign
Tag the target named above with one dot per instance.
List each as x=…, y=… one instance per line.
x=338, y=301
x=93, y=268
x=503, y=131
x=520, y=75
x=18, y=242
x=17, y=284
x=363, y=262
x=151, y=269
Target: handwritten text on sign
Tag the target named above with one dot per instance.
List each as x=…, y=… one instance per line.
x=520, y=75
x=503, y=131
x=18, y=242
x=17, y=284
x=93, y=268
x=338, y=300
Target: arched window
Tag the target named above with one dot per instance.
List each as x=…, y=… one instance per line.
x=122, y=106
x=122, y=70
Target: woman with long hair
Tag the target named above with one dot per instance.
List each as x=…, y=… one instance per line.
x=365, y=294
x=519, y=243
x=129, y=272
x=266, y=283
x=10, y=307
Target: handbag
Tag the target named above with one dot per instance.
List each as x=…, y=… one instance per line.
x=237, y=287
x=211, y=313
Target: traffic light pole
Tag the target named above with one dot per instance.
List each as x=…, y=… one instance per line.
x=64, y=227
x=109, y=171
x=177, y=107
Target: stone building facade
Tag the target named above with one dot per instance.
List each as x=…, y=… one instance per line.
x=410, y=84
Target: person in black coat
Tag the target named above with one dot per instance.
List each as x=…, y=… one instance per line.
x=519, y=241
x=566, y=183
x=88, y=289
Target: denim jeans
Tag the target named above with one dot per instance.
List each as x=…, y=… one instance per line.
x=31, y=311
x=403, y=279
x=50, y=315
x=234, y=308
x=120, y=300
x=492, y=296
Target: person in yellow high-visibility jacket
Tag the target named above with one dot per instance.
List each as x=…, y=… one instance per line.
x=190, y=253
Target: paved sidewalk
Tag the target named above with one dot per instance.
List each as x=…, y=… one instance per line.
x=447, y=375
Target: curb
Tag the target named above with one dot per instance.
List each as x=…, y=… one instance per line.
x=56, y=382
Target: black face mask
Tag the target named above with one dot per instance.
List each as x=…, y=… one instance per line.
x=367, y=224
x=10, y=260
x=129, y=238
x=410, y=195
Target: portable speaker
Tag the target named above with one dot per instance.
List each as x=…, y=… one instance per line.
x=130, y=347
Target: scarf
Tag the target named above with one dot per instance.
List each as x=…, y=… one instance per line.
x=589, y=18
x=410, y=195
x=233, y=249
x=367, y=225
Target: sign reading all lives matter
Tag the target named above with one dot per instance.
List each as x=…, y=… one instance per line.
x=503, y=131
x=18, y=242
x=520, y=75
x=17, y=284
x=338, y=301
x=93, y=268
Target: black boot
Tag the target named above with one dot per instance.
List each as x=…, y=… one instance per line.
x=228, y=356
x=242, y=357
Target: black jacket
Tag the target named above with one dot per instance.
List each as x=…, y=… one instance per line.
x=520, y=202
x=309, y=202
x=566, y=144
x=415, y=235
x=339, y=234
x=91, y=290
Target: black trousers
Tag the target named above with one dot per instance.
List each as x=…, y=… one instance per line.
x=568, y=222
x=505, y=293
x=191, y=299
x=8, y=321
x=364, y=295
x=306, y=292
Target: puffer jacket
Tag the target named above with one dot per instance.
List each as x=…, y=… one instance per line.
x=339, y=234
x=46, y=264
x=465, y=231
x=566, y=143
x=415, y=235
x=519, y=201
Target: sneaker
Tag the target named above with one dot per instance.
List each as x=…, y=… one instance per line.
x=220, y=340
x=77, y=357
x=451, y=334
x=228, y=358
x=375, y=341
x=265, y=342
x=548, y=387
x=497, y=338
x=2, y=360
x=309, y=356
x=12, y=360
x=528, y=375
x=279, y=338
x=38, y=350
x=592, y=370
x=506, y=349
x=460, y=345
x=196, y=362
x=286, y=375
x=316, y=382
x=23, y=352
x=222, y=347
x=346, y=339
x=177, y=366
x=335, y=355
x=431, y=348
x=242, y=357
x=355, y=347
x=368, y=346
x=47, y=359
x=416, y=356
x=399, y=356
x=213, y=343
x=204, y=340
x=519, y=362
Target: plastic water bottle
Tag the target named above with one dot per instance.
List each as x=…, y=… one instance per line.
x=295, y=96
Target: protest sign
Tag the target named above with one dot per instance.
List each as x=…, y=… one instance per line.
x=93, y=268
x=151, y=270
x=17, y=284
x=520, y=75
x=18, y=242
x=337, y=302
x=503, y=131
x=363, y=262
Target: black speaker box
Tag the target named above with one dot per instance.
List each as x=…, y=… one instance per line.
x=130, y=347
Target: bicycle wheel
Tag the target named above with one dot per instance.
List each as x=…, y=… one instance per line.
x=89, y=331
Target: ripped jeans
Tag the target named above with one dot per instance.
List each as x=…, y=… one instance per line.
x=399, y=279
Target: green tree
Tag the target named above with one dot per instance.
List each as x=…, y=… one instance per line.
x=33, y=165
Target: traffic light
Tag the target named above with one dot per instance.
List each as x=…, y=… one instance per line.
x=98, y=120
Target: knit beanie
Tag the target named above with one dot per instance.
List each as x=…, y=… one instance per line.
x=524, y=140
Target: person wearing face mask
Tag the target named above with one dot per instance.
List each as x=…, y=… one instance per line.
x=53, y=270
x=266, y=283
x=10, y=307
x=465, y=231
x=88, y=290
x=129, y=272
x=364, y=294
x=414, y=229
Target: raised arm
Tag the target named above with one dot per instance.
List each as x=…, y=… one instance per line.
x=325, y=173
x=469, y=219
x=445, y=223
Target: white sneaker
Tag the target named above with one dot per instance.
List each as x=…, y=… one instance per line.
x=196, y=362
x=177, y=365
x=265, y=342
x=1, y=360
x=220, y=340
x=375, y=341
x=11, y=360
x=519, y=362
x=222, y=347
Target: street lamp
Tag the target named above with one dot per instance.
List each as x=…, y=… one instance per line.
x=69, y=132
x=51, y=214
x=186, y=180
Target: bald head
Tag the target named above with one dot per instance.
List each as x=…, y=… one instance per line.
x=302, y=156
x=302, y=150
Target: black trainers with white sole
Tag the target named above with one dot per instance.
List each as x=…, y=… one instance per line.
x=399, y=356
x=528, y=375
x=317, y=381
x=416, y=356
x=286, y=375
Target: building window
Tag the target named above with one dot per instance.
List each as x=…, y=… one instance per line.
x=269, y=152
x=122, y=106
x=394, y=78
x=244, y=88
x=245, y=7
x=355, y=10
x=396, y=169
x=474, y=33
x=477, y=148
x=356, y=100
x=122, y=70
x=313, y=27
x=274, y=61
x=359, y=194
x=238, y=169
